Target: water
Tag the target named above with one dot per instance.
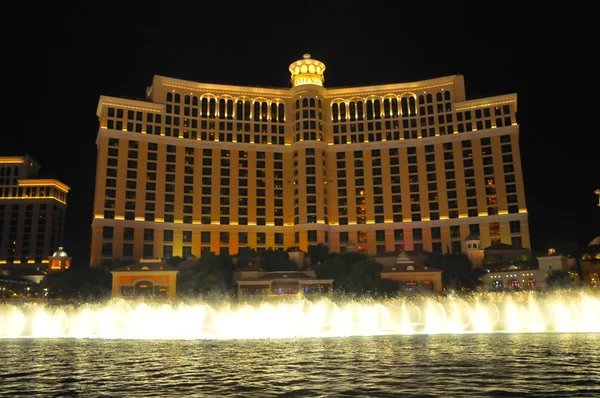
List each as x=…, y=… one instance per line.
x=436, y=348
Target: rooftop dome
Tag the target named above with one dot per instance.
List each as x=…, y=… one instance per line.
x=595, y=242
x=60, y=253
x=403, y=258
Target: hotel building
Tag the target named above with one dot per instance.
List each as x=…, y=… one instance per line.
x=32, y=214
x=408, y=166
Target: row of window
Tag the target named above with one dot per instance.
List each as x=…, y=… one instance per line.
x=346, y=238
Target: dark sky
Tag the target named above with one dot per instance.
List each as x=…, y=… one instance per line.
x=60, y=57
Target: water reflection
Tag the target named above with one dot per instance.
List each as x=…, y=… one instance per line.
x=475, y=365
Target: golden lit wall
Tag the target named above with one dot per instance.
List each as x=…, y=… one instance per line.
x=410, y=166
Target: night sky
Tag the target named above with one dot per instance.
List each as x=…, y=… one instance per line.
x=59, y=59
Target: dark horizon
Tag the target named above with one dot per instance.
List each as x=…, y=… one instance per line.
x=78, y=54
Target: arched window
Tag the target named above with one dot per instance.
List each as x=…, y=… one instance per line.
x=360, y=110
x=239, y=110
x=447, y=95
x=195, y=101
x=274, y=112
x=320, y=104
x=343, y=112
x=335, y=112
x=297, y=103
x=377, y=109
x=222, y=108
x=387, y=108
x=429, y=98
x=352, y=111
x=169, y=97
x=370, y=110
x=305, y=102
x=212, y=107
x=256, y=111
x=204, y=109
x=177, y=97
x=144, y=288
x=312, y=103
x=394, y=107
x=281, y=113
x=247, y=109
x=229, y=109
x=421, y=99
x=413, y=106
x=438, y=96
x=187, y=99
x=264, y=111
x=404, y=104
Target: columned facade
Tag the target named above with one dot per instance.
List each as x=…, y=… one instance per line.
x=409, y=166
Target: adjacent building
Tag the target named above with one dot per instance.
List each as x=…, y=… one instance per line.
x=147, y=277
x=32, y=215
x=387, y=168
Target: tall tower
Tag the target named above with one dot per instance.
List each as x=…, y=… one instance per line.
x=473, y=250
x=59, y=261
x=309, y=152
x=32, y=215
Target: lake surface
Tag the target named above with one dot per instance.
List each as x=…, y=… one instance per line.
x=468, y=365
x=482, y=346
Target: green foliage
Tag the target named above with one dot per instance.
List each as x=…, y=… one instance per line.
x=245, y=256
x=277, y=260
x=115, y=263
x=318, y=253
x=559, y=279
x=458, y=271
x=356, y=274
x=95, y=282
x=365, y=276
x=525, y=257
x=210, y=275
x=174, y=261
x=492, y=260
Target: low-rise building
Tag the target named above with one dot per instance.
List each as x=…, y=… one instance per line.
x=412, y=276
x=527, y=275
x=253, y=282
x=148, y=277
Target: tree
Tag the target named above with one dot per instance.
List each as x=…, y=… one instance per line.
x=94, y=282
x=559, y=279
x=458, y=272
x=318, y=253
x=208, y=276
x=364, y=278
x=245, y=256
x=336, y=268
x=174, y=261
x=277, y=260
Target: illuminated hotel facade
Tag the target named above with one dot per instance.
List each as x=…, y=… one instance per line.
x=409, y=166
x=32, y=214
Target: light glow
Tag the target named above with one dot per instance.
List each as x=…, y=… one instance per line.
x=135, y=319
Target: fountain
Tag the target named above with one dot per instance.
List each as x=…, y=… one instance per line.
x=572, y=312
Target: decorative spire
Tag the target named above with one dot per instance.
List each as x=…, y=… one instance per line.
x=307, y=71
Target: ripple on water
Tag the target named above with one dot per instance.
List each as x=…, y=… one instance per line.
x=542, y=365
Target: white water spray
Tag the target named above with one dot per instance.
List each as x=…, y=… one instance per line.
x=486, y=313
